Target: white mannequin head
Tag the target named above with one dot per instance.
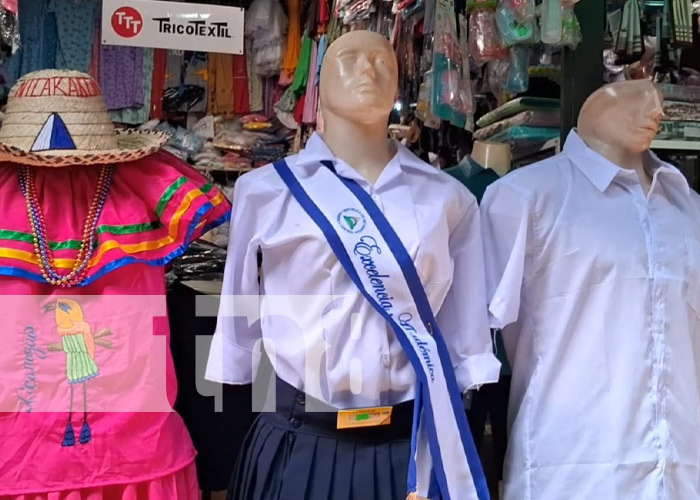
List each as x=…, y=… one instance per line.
x=622, y=119
x=359, y=79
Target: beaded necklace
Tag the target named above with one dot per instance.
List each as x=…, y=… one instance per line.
x=27, y=182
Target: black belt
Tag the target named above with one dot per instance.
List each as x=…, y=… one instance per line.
x=291, y=413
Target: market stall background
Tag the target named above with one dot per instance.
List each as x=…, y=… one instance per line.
x=508, y=71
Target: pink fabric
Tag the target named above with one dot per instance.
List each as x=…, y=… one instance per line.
x=10, y=5
x=311, y=100
x=136, y=198
x=126, y=446
x=102, y=346
x=181, y=485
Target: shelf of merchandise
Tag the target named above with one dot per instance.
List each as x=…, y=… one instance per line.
x=676, y=145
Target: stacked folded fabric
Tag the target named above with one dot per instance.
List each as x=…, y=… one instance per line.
x=250, y=142
x=525, y=119
x=681, y=113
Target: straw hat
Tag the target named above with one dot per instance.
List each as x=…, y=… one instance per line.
x=58, y=118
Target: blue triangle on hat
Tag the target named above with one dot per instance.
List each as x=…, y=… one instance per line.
x=53, y=135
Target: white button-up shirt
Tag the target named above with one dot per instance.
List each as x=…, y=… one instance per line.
x=315, y=323
x=600, y=288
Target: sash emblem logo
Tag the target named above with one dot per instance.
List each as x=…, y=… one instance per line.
x=351, y=220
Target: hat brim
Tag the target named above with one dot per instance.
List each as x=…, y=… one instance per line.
x=133, y=145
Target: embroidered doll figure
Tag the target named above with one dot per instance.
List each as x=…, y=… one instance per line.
x=78, y=342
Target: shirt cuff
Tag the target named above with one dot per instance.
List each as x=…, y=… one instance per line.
x=229, y=363
x=477, y=370
x=498, y=313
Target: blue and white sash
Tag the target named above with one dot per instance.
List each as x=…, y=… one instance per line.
x=442, y=467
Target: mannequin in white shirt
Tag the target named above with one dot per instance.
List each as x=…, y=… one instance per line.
x=332, y=349
x=619, y=121
x=593, y=272
x=357, y=91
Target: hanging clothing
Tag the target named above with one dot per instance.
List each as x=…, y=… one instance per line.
x=299, y=109
x=196, y=80
x=75, y=22
x=221, y=84
x=311, y=98
x=255, y=84
x=320, y=53
x=301, y=76
x=324, y=12
x=94, y=69
x=137, y=116
x=37, y=28
x=241, y=95
x=160, y=65
x=596, y=286
x=121, y=76
x=293, y=47
x=187, y=80
x=269, y=90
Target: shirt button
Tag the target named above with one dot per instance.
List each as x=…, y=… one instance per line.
x=301, y=398
x=386, y=361
x=375, y=197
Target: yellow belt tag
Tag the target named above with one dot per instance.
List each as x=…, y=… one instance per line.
x=366, y=417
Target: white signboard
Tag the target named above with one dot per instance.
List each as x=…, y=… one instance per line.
x=173, y=25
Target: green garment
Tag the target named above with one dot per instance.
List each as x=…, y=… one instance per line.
x=477, y=178
x=80, y=367
x=301, y=76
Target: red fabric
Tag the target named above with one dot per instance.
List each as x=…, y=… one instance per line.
x=299, y=109
x=160, y=66
x=324, y=13
x=241, y=96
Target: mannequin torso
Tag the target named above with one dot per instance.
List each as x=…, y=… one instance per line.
x=592, y=263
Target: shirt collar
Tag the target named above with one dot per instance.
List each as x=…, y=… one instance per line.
x=601, y=171
x=317, y=151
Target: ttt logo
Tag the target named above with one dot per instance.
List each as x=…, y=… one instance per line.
x=127, y=22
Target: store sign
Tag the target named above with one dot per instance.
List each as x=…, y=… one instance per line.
x=173, y=25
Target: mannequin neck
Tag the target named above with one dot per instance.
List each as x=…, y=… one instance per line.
x=623, y=158
x=495, y=156
x=364, y=146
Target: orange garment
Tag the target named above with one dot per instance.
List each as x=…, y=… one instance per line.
x=221, y=84
x=291, y=56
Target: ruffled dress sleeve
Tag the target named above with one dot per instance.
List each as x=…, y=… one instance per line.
x=156, y=208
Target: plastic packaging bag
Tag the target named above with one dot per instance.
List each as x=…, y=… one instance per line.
x=571, y=29
x=551, y=22
x=516, y=21
x=518, y=78
x=451, y=91
x=423, y=107
x=484, y=39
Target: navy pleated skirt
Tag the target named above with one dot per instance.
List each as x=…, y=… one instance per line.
x=294, y=455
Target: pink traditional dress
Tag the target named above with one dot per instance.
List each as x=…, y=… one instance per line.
x=87, y=382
